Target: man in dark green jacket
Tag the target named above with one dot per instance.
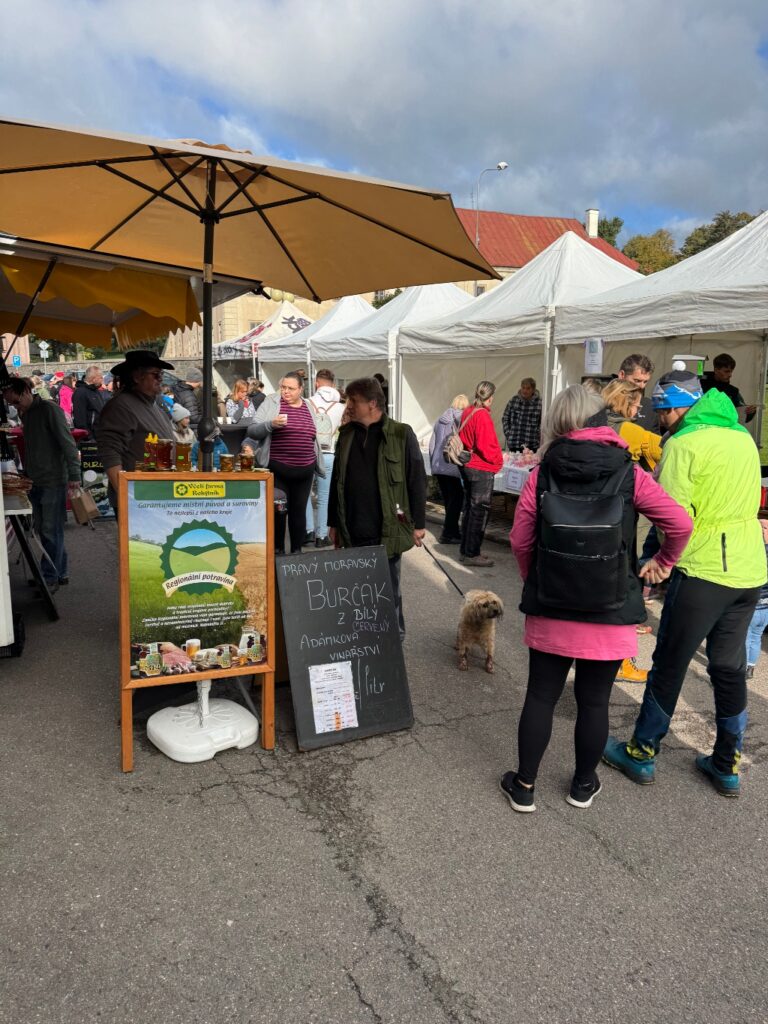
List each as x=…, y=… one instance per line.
x=379, y=485
x=52, y=463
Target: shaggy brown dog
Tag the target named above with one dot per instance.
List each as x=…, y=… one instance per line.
x=477, y=625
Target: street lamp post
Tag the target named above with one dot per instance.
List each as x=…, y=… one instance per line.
x=502, y=165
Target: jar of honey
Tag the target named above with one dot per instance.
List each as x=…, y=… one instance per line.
x=226, y=463
x=183, y=456
x=164, y=457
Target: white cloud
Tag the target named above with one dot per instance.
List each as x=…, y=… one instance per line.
x=606, y=102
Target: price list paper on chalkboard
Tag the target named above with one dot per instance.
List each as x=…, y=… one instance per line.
x=342, y=641
x=333, y=696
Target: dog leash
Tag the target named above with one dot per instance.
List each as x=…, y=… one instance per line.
x=441, y=567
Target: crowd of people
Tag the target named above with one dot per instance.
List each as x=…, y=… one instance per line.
x=605, y=454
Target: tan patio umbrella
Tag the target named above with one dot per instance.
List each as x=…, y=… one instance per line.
x=308, y=230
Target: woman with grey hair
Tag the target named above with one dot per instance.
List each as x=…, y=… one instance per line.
x=574, y=540
x=478, y=435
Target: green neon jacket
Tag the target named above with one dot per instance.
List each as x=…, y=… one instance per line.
x=711, y=466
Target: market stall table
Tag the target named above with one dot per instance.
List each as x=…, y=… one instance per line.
x=17, y=507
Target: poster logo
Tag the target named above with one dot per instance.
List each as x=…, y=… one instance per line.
x=208, y=489
x=199, y=556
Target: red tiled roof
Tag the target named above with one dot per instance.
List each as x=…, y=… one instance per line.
x=511, y=240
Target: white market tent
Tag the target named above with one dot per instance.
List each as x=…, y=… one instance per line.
x=230, y=358
x=715, y=301
x=369, y=346
x=278, y=357
x=287, y=319
x=502, y=336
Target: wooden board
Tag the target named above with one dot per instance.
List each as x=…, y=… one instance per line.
x=196, y=562
x=343, y=645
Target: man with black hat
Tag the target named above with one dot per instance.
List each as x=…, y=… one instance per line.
x=132, y=414
x=711, y=466
x=186, y=393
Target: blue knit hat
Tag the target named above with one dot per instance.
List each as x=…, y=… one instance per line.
x=677, y=389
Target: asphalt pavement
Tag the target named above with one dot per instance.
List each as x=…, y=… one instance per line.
x=385, y=880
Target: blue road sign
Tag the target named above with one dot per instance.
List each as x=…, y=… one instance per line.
x=17, y=360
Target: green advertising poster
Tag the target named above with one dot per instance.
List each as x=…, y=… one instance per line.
x=197, y=571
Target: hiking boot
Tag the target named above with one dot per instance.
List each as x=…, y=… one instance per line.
x=726, y=783
x=481, y=561
x=583, y=793
x=518, y=795
x=630, y=673
x=637, y=763
x=750, y=672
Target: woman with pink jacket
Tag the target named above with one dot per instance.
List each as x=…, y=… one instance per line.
x=582, y=606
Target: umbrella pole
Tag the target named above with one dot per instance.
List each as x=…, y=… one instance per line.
x=206, y=431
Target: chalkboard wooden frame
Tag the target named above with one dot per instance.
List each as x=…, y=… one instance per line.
x=336, y=603
x=265, y=671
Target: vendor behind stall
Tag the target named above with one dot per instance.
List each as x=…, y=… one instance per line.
x=52, y=464
x=132, y=414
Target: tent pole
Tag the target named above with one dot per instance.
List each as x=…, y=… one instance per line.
x=761, y=392
x=548, y=367
x=207, y=428
x=32, y=303
x=392, y=365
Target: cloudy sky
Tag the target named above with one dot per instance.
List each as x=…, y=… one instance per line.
x=654, y=111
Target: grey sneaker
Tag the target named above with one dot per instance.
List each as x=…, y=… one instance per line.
x=480, y=560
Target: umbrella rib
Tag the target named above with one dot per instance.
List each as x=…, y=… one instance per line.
x=397, y=231
x=275, y=235
x=155, y=193
x=81, y=163
x=142, y=206
x=374, y=220
x=241, y=187
x=178, y=178
x=268, y=206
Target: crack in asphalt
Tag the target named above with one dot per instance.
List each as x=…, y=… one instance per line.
x=321, y=786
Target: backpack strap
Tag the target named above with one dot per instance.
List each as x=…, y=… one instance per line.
x=458, y=430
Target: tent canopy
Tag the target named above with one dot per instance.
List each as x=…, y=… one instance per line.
x=514, y=313
x=293, y=349
x=720, y=289
x=369, y=338
x=84, y=304
x=286, y=320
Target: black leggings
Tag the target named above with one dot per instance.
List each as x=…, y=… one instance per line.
x=296, y=482
x=592, y=688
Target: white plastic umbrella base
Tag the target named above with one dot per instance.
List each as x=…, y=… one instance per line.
x=188, y=735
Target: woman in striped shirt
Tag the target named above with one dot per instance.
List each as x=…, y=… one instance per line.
x=285, y=425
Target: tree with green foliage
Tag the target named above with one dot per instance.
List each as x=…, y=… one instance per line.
x=652, y=252
x=378, y=303
x=722, y=225
x=608, y=229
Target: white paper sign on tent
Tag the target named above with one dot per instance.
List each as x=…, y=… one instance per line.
x=593, y=356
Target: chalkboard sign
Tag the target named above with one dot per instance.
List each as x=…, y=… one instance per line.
x=345, y=658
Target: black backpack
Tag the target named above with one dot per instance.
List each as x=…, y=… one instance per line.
x=582, y=561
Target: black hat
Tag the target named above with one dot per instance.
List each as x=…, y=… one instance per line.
x=141, y=359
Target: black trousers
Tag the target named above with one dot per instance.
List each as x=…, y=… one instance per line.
x=592, y=688
x=394, y=576
x=696, y=610
x=296, y=482
x=452, y=491
x=478, y=491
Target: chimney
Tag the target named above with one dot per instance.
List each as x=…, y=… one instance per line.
x=591, y=222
